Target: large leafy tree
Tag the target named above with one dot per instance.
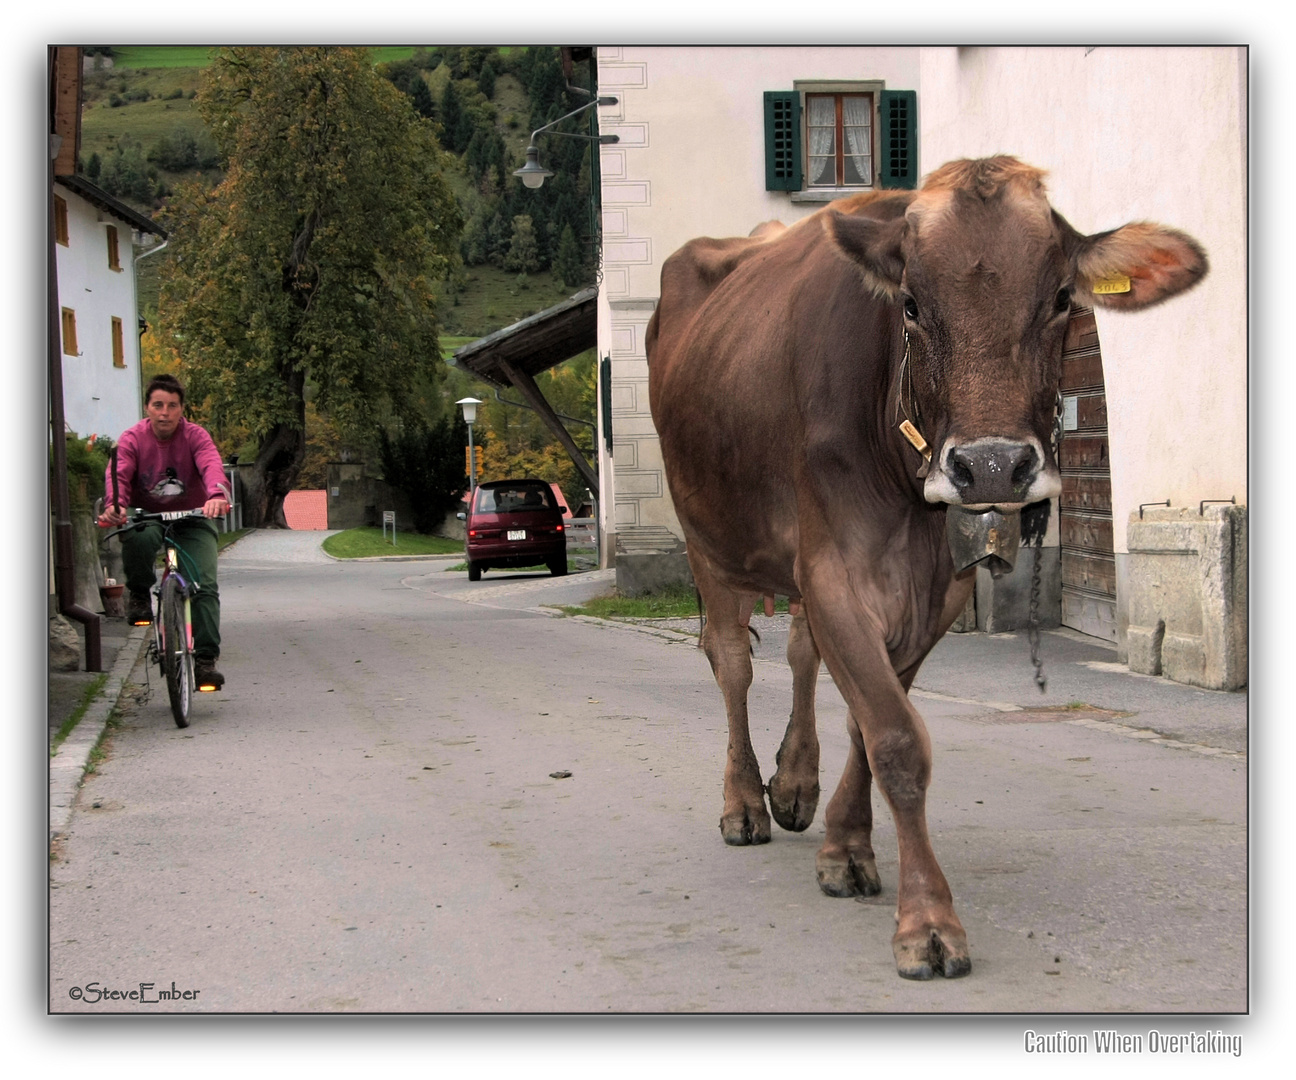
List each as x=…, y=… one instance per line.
x=319, y=258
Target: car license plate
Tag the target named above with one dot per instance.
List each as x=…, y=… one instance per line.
x=517, y=534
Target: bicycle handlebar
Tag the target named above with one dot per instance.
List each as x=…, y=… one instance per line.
x=141, y=516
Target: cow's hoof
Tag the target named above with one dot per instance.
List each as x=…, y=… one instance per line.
x=847, y=877
x=792, y=805
x=932, y=952
x=745, y=827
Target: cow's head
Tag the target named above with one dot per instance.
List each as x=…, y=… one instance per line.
x=985, y=273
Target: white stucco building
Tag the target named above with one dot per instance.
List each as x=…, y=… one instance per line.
x=1157, y=406
x=100, y=328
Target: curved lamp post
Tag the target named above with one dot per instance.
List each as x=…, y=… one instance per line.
x=469, y=406
x=533, y=173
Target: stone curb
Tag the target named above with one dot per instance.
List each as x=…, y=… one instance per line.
x=67, y=766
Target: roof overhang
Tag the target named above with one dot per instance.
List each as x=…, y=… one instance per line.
x=536, y=343
x=105, y=202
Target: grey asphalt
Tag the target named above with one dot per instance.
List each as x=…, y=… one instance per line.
x=365, y=820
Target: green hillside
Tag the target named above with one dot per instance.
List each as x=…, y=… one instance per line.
x=140, y=101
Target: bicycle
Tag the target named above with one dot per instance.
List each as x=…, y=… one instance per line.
x=172, y=645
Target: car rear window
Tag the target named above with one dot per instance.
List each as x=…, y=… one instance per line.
x=510, y=500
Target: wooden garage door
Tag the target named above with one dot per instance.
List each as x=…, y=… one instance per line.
x=1088, y=558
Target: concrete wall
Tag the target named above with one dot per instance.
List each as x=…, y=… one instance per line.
x=98, y=398
x=356, y=499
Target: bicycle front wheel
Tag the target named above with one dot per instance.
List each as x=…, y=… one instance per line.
x=177, y=658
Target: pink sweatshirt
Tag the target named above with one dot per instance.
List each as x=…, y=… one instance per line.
x=179, y=474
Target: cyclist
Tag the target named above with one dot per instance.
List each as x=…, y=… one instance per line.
x=166, y=462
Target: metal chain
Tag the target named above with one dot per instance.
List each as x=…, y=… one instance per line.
x=1033, y=631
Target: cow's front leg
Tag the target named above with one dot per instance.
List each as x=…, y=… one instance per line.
x=929, y=937
x=726, y=641
x=794, y=787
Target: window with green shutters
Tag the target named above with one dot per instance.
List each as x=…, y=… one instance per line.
x=832, y=148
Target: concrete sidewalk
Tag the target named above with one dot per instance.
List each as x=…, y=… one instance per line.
x=1084, y=683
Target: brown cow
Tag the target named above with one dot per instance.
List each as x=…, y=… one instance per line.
x=781, y=366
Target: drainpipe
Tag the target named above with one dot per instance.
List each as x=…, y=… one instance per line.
x=139, y=344
x=64, y=561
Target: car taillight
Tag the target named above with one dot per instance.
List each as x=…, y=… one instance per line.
x=559, y=529
x=472, y=532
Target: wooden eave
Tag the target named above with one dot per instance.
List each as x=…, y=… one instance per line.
x=536, y=343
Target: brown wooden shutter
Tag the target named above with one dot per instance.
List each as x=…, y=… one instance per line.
x=69, y=333
x=60, y=220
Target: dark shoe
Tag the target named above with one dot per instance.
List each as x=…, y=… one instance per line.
x=141, y=610
x=206, y=675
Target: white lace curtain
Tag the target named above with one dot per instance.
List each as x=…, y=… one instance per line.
x=823, y=149
x=856, y=134
x=857, y=119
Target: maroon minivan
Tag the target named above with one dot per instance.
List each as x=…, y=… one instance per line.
x=515, y=523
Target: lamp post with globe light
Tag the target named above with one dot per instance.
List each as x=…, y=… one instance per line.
x=469, y=406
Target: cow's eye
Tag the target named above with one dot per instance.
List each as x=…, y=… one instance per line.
x=910, y=309
x=1063, y=301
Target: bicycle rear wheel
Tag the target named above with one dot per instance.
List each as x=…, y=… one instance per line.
x=177, y=659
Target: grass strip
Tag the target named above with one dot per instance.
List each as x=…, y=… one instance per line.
x=200, y=56
x=65, y=729
x=675, y=603
x=369, y=542
x=224, y=539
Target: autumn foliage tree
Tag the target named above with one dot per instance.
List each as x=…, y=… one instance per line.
x=320, y=256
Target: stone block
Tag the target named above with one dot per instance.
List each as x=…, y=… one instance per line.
x=650, y=559
x=1003, y=603
x=1187, y=582
x=64, y=645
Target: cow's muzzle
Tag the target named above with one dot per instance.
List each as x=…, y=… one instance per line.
x=985, y=473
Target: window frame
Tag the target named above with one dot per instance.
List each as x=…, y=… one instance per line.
x=118, y=343
x=805, y=88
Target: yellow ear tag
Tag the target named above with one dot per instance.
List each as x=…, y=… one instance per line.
x=915, y=440
x=1119, y=284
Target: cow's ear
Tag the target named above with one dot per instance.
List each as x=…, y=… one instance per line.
x=872, y=245
x=1136, y=266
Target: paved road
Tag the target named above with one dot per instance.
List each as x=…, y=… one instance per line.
x=366, y=820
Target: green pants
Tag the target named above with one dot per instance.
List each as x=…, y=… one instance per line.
x=196, y=539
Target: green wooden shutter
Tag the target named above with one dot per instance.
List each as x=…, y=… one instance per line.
x=899, y=166
x=782, y=140
x=605, y=388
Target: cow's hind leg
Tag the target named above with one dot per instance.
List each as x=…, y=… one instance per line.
x=845, y=864
x=794, y=787
x=726, y=641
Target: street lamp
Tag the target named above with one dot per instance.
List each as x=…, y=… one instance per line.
x=533, y=173
x=469, y=406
